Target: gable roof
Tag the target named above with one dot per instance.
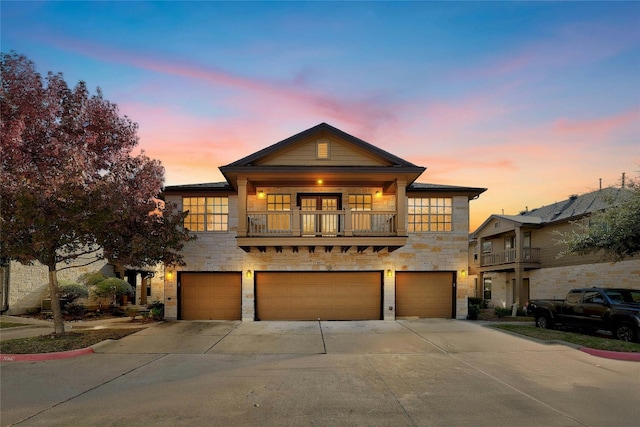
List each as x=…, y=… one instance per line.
x=572, y=208
x=252, y=158
x=577, y=206
x=272, y=165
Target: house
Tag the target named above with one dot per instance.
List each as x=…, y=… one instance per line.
x=514, y=258
x=321, y=225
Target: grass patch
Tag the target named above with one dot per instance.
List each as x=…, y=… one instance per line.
x=598, y=343
x=4, y=325
x=489, y=314
x=68, y=341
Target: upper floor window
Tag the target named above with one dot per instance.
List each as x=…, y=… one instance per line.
x=206, y=213
x=278, y=202
x=360, y=202
x=429, y=214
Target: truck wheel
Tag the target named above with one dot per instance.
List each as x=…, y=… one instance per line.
x=544, y=321
x=626, y=331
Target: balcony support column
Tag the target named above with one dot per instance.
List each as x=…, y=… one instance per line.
x=401, y=208
x=295, y=221
x=519, y=292
x=348, y=224
x=242, y=207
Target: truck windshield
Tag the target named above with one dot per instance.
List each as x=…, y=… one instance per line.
x=624, y=295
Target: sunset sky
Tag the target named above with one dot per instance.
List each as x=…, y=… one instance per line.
x=533, y=100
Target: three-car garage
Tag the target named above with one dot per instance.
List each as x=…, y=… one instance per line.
x=309, y=295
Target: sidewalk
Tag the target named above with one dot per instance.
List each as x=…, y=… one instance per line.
x=36, y=327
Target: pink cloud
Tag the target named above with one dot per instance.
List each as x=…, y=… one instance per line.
x=598, y=128
x=291, y=95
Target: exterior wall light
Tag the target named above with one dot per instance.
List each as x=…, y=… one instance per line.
x=389, y=273
x=378, y=194
x=260, y=194
x=463, y=273
x=249, y=274
x=169, y=275
x=320, y=182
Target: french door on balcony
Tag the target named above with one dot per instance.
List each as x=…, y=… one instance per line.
x=314, y=220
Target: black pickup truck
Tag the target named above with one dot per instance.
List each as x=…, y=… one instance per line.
x=590, y=309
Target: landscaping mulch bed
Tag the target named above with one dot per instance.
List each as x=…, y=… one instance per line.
x=52, y=343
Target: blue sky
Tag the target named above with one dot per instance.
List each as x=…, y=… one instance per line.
x=533, y=100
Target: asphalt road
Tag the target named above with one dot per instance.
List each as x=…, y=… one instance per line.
x=376, y=373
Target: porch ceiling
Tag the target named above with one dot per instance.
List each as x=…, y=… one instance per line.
x=384, y=177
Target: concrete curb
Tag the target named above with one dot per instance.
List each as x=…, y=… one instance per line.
x=616, y=355
x=605, y=354
x=45, y=356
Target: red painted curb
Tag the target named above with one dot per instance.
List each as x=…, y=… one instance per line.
x=617, y=355
x=44, y=356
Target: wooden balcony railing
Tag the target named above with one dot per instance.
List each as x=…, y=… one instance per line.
x=509, y=256
x=299, y=223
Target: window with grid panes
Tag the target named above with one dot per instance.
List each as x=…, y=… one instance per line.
x=206, y=213
x=279, y=203
x=429, y=214
x=360, y=203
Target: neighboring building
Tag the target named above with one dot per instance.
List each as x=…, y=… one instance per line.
x=321, y=225
x=23, y=287
x=514, y=258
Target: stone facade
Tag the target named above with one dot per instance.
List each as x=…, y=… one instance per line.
x=554, y=283
x=429, y=251
x=29, y=284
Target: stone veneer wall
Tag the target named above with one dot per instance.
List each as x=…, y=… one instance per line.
x=555, y=283
x=29, y=284
x=423, y=252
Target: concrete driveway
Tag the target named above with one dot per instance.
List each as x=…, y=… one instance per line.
x=412, y=372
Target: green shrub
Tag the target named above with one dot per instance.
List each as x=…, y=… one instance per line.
x=474, y=312
x=92, y=279
x=157, y=310
x=132, y=312
x=474, y=301
x=110, y=289
x=117, y=311
x=75, y=310
x=502, y=312
x=72, y=291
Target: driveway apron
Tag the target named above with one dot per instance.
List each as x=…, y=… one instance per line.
x=432, y=372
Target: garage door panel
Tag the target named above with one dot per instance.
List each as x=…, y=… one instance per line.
x=424, y=294
x=328, y=296
x=211, y=296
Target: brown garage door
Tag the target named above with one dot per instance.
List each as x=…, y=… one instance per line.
x=210, y=296
x=324, y=295
x=424, y=294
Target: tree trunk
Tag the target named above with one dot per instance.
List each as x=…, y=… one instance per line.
x=54, y=292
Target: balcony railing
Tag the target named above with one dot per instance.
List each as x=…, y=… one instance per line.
x=509, y=256
x=303, y=223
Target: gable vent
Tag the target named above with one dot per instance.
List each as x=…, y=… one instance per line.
x=322, y=149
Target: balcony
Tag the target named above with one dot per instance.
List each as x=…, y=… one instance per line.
x=505, y=260
x=311, y=228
